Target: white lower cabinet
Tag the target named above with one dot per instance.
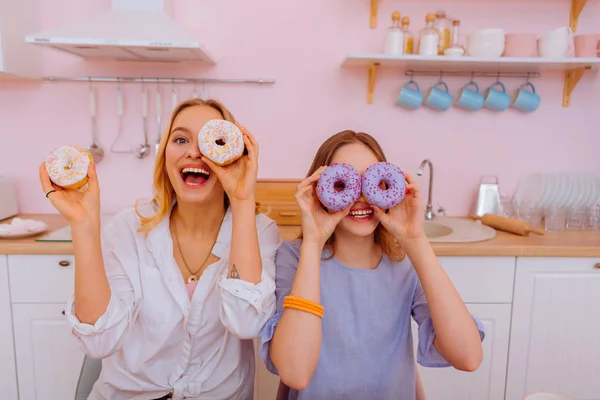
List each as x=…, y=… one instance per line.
x=487, y=383
x=48, y=356
x=8, y=374
x=555, y=334
x=547, y=307
x=485, y=284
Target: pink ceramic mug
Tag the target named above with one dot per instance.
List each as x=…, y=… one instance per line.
x=520, y=45
x=587, y=45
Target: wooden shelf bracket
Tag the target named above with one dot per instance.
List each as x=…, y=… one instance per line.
x=371, y=83
x=572, y=78
x=576, y=8
x=373, y=18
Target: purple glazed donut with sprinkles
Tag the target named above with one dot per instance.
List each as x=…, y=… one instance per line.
x=339, y=187
x=392, y=176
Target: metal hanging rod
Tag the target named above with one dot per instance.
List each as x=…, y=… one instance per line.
x=481, y=74
x=153, y=80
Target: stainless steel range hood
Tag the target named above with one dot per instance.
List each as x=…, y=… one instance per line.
x=132, y=30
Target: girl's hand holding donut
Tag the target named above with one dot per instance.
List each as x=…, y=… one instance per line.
x=317, y=224
x=405, y=221
x=239, y=178
x=78, y=206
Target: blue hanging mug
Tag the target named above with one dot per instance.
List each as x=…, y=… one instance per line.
x=496, y=98
x=410, y=96
x=439, y=97
x=526, y=99
x=470, y=98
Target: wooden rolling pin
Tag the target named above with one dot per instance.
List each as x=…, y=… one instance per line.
x=510, y=225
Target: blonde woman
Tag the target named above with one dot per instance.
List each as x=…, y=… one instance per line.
x=172, y=292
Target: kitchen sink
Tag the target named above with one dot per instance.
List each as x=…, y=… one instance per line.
x=457, y=230
x=435, y=230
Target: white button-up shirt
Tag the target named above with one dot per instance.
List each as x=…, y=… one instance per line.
x=153, y=339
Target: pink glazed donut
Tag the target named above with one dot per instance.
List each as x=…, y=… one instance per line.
x=389, y=174
x=338, y=187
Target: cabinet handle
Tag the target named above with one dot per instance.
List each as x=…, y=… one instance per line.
x=64, y=263
x=288, y=214
x=597, y=266
x=63, y=312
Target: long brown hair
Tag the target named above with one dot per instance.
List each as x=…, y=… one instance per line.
x=163, y=189
x=324, y=156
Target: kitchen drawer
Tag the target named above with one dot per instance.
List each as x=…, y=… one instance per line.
x=481, y=279
x=284, y=213
x=277, y=201
x=41, y=278
x=276, y=191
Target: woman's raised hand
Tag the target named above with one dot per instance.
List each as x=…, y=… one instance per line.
x=317, y=224
x=77, y=206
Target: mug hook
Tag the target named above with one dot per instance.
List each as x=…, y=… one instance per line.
x=498, y=77
x=441, y=76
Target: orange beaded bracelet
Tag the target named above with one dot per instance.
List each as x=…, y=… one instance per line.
x=298, y=303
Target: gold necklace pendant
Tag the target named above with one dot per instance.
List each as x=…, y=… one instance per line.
x=192, y=279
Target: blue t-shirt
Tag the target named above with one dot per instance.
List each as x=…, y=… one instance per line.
x=367, y=344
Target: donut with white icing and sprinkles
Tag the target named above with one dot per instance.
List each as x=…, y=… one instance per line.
x=338, y=187
x=221, y=141
x=68, y=166
x=392, y=176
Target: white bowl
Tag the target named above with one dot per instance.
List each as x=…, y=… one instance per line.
x=486, y=43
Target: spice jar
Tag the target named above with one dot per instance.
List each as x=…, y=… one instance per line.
x=408, y=36
x=443, y=25
x=394, y=41
x=429, y=37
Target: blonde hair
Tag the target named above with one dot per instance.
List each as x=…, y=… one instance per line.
x=325, y=155
x=163, y=189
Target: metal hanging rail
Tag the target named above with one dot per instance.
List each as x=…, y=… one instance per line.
x=472, y=74
x=153, y=80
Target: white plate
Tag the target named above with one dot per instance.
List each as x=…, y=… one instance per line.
x=530, y=189
x=22, y=235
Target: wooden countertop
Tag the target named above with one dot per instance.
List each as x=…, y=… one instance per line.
x=569, y=243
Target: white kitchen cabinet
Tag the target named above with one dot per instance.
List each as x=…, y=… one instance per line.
x=18, y=58
x=481, y=280
x=552, y=324
x=49, y=358
x=487, y=382
x=41, y=278
x=8, y=373
x=555, y=334
x=485, y=284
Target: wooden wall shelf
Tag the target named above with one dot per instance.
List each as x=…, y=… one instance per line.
x=574, y=68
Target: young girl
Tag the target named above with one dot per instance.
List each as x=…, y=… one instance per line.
x=371, y=270
x=173, y=295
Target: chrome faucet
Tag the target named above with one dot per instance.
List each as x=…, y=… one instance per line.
x=429, y=209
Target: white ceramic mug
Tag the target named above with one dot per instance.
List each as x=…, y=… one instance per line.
x=556, y=44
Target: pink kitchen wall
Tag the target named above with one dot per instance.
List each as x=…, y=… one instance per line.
x=301, y=44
